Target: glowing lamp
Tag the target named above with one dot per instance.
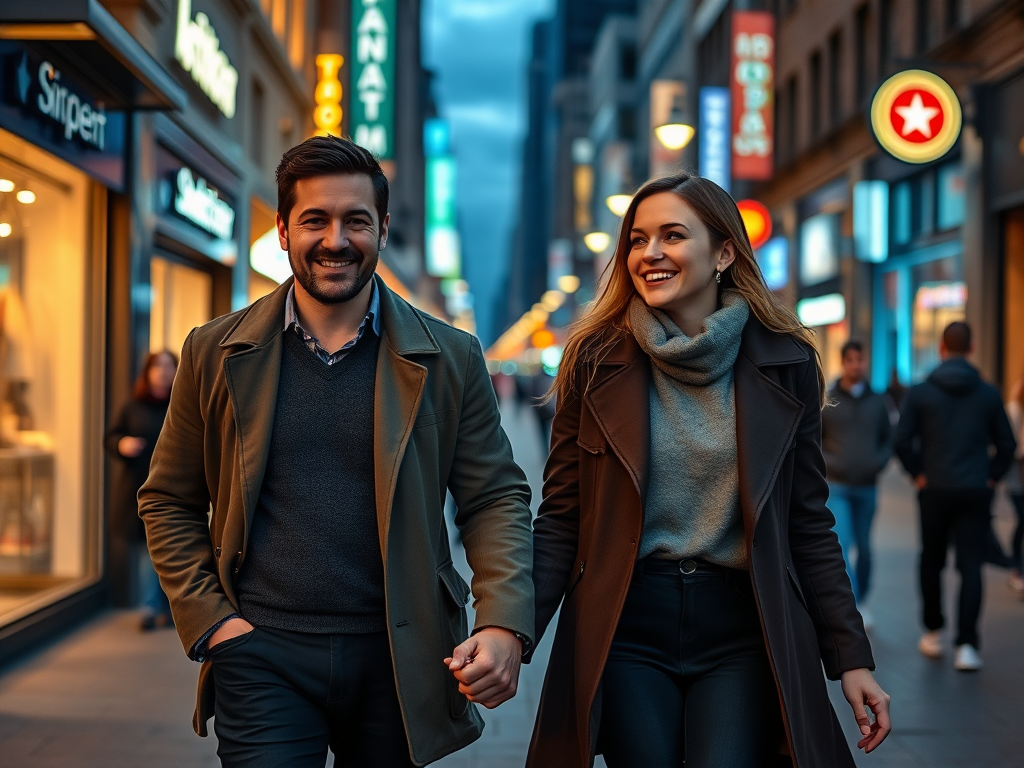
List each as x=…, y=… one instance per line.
x=597, y=242
x=618, y=204
x=543, y=338
x=6, y=185
x=568, y=283
x=674, y=135
x=5, y=229
x=757, y=221
x=26, y=196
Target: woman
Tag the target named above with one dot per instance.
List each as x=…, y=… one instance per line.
x=131, y=440
x=1015, y=483
x=684, y=518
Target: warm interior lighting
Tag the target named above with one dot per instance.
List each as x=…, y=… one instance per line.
x=568, y=283
x=5, y=229
x=674, y=135
x=597, y=241
x=542, y=339
x=74, y=31
x=6, y=185
x=618, y=204
x=26, y=196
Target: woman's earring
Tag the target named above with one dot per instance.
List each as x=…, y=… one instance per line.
x=718, y=277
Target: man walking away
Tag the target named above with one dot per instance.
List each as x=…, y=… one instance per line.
x=856, y=438
x=947, y=426
x=324, y=425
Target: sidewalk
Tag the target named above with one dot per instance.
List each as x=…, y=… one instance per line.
x=108, y=696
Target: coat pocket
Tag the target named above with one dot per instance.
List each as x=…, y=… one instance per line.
x=430, y=419
x=456, y=628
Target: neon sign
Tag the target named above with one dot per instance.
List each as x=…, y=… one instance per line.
x=328, y=113
x=197, y=49
x=373, y=76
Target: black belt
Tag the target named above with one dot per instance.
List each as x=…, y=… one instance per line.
x=686, y=567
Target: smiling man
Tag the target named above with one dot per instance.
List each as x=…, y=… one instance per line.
x=324, y=424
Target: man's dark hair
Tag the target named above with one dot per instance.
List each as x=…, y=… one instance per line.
x=957, y=338
x=328, y=156
x=852, y=345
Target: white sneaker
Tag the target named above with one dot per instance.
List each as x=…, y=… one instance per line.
x=867, y=618
x=967, y=658
x=931, y=645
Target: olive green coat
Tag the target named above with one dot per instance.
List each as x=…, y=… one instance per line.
x=436, y=428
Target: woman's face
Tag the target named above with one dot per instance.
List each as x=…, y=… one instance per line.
x=671, y=260
x=161, y=374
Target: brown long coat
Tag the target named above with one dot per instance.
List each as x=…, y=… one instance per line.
x=436, y=428
x=589, y=526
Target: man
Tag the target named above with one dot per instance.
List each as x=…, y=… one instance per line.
x=947, y=427
x=324, y=425
x=856, y=438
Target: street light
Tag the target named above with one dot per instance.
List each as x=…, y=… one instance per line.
x=674, y=134
x=618, y=204
x=597, y=241
x=568, y=283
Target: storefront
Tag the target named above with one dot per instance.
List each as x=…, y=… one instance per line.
x=66, y=105
x=920, y=288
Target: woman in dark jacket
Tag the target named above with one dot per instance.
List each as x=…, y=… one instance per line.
x=683, y=527
x=131, y=440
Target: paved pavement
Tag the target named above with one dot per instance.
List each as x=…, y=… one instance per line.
x=112, y=697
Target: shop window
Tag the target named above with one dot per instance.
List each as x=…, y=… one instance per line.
x=182, y=299
x=901, y=216
x=48, y=528
x=819, y=248
x=939, y=296
x=952, y=202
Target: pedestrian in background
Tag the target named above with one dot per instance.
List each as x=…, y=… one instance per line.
x=1015, y=484
x=683, y=528
x=856, y=439
x=949, y=426
x=325, y=424
x=131, y=440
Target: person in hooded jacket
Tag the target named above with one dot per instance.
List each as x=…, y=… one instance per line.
x=947, y=426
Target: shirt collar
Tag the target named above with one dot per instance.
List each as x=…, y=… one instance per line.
x=372, y=314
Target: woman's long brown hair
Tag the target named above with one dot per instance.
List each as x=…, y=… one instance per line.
x=596, y=332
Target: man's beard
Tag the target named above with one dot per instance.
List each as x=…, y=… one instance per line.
x=333, y=289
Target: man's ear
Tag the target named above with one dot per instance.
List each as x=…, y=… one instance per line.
x=383, y=239
x=282, y=233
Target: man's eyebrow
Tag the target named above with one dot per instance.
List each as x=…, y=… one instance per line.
x=322, y=212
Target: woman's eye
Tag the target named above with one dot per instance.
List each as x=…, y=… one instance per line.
x=636, y=241
x=673, y=236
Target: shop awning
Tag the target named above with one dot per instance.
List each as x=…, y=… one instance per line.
x=87, y=39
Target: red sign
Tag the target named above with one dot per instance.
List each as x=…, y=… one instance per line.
x=757, y=221
x=916, y=116
x=752, y=84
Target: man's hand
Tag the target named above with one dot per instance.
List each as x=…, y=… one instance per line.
x=487, y=666
x=864, y=693
x=921, y=482
x=130, y=447
x=229, y=629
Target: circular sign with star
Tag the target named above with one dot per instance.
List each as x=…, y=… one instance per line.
x=916, y=116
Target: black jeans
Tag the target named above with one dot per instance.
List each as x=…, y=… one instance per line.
x=284, y=697
x=1018, y=532
x=688, y=676
x=964, y=513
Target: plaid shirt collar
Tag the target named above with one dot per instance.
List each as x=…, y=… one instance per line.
x=291, y=320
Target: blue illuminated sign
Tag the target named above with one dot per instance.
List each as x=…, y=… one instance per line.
x=773, y=258
x=715, y=152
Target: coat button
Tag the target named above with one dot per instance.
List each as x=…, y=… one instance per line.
x=216, y=552
x=688, y=566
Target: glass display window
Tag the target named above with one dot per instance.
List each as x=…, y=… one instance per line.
x=48, y=509
x=182, y=299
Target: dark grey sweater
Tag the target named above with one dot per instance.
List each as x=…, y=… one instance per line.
x=314, y=560
x=856, y=436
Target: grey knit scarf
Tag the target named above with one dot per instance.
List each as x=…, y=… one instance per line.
x=692, y=506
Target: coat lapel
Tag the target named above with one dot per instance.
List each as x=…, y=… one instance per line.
x=399, y=390
x=252, y=376
x=619, y=397
x=767, y=416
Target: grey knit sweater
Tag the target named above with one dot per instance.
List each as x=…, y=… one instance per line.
x=692, y=507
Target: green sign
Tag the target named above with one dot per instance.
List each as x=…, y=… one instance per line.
x=443, y=251
x=372, y=104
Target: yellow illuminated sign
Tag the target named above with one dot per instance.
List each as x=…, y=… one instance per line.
x=328, y=112
x=916, y=116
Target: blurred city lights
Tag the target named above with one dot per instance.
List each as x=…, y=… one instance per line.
x=6, y=185
x=618, y=204
x=542, y=339
x=568, y=283
x=757, y=221
x=26, y=196
x=674, y=135
x=597, y=241
x=5, y=229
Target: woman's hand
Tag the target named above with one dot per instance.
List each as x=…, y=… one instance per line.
x=864, y=693
x=130, y=447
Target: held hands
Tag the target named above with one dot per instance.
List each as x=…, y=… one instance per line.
x=229, y=629
x=487, y=666
x=130, y=447
x=864, y=693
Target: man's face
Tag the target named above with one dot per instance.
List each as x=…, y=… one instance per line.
x=853, y=366
x=333, y=236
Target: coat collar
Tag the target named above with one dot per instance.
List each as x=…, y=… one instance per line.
x=767, y=416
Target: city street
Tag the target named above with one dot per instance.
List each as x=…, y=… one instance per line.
x=109, y=696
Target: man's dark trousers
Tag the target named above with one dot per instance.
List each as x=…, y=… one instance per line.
x=964, y=512
x=283, y=698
